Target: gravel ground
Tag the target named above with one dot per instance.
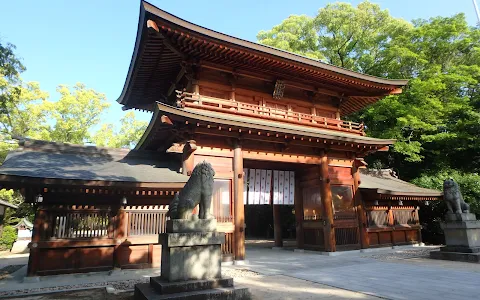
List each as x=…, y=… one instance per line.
x=118, y=285
x=239, y=273
x=124, y=285
x=403, y=254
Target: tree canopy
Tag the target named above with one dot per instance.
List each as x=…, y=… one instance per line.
x=436, y=120
x=27, y=112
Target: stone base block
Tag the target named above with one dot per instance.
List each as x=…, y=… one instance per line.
x=145, y=291
x=191, y=263
x=449, y=217
x=461, y=249
x=165, y=287
x=198, y=225
x=462, y=233
x=456, y=256
x=191, y=256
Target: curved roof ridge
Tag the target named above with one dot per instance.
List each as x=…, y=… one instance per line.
x=234, y=40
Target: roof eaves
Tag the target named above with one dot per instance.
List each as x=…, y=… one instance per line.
x=403, y=193
x=138, y=41
x=266, y=49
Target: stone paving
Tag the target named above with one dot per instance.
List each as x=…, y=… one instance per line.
x=402, y=279
x=288, y=275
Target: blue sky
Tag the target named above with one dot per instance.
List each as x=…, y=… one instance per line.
x=89, y=41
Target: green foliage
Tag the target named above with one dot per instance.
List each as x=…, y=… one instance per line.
x=469, y=184
x=9, y=236
x=295, y=34
x=77, y=111
x=130, y=132
x=340, y=34
x=436, y=120
x=26, y=112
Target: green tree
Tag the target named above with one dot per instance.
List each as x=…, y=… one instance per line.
x=75, y=113
x=130, y=132
x=20, y=103
x=295, y=34
x=436, y=120
x=355, y=38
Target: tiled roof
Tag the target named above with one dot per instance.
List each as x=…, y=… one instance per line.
x=385, y=182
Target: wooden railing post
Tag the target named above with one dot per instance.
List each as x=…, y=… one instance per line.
x=327, y=206
x=239, y=214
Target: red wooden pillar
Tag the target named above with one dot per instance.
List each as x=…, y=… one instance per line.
x=299, y=215
x=362, y=218
x=417, y=217
x=391, y=224
x=238, y=209
x=39, y=226
x=327, y=206
x=277, y=226
x=120, y=233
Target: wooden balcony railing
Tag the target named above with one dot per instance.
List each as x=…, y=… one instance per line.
x=185, y=99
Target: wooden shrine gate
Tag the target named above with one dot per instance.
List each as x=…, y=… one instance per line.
x=313, y=223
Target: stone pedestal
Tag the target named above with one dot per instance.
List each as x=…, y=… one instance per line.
x=462, y=238
x=191, y=265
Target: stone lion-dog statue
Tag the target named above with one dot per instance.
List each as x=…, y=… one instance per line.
x=197, y=191
x=453, y=198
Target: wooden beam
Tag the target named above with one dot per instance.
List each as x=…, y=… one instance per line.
x=153, y=26
x=188, y=157
x=239, y=214
x=306, y=142
x=179, y=77
x=327, y=206
x=280, y=157
x=271, y=79
x=396, y=91
x=166, y=120
x=383, y=149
